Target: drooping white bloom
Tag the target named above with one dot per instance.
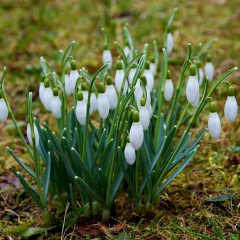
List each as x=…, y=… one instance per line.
x=214, y=125
x=153, y=68
x=231, y=108
x=136, y=132
x=47, y=97
x=3, y=110
x=93, y=103
x=73, y=76
x=144, y=117
x=41, y=90
x=168, y=90
x=129, y=153
x=170, y=43
x=131, y=75
x=56, y=106
x=119, y=76
x=195, y=104
x=68, y=89
x=112, y=96
x=103, y=105
x=150, y=79
x=36, y=134
x=81, y=111
x=192, y=89
x=107, y=57
x=209, y=69
x=128, y=53
x=201, y=76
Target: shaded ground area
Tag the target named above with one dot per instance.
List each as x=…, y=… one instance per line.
x=30, y=29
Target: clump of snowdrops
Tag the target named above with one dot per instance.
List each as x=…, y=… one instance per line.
x=121, y=124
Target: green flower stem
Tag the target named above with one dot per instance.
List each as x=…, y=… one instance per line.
x=193, y=119
x=137, y=176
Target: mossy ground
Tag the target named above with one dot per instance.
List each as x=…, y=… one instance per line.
x=30, y=29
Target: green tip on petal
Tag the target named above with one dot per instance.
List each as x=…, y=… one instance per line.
x=168, y=74
x=84, y=86
x=119, y=65
x=192, y=70
x=213, y=107
x=143, y=102
x=147, y=65
x=208, y=58
x=79, y=96
x=135, y=116
x=46, y=83
x=55, y=92
x=109, y=80
x=73, y=65
x=101, y=88
x=143, y=80
x=231, y=91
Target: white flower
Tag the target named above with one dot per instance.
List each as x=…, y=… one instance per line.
x=168, y=90
x=192, y=90
x=129, y=153
x=81, y=111
x=56, y=106
x=41, y=90
x=131, y=75
x=201, y=76
x=3, y=110
x=112, y=96
x=93, y=103
x=209, y=71
x=170, y=43
x=231, y=108
x=136, y=131
x=153, y=68
x=36, y=134
x=150, y=79
x=107, y=57
x=214, y=125
x=73, y=76
x=195, y=104
x=47, y=98
x=128, y=53
x=68, y=89
x=144, y=117
x=103, y=105
x=119, y=76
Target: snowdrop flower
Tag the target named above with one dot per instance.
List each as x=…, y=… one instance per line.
x=144, y=114
x=3, y=109
x=119, y=76
x=128, y=52
x=149, y=75
x=169, y=43
x=153, y=67
x=71, y=80
x=102, y=102
x=132, y=74
x=29, y=134
x=56, y=104
x=129, y=153
x=136, y=131
x=111, y=93
x=84, y=90
x=200, y=72
x=209, y=69
x=41, y=88
x=192, y=90
x=81, y=109
x=168, y=90
x=231, y=106
x=93, y=103
x=47, y=95
x=214, y=124
x=107, y=56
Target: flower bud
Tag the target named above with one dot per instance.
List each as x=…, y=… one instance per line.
x=111, y=93
x=169, y=43
x=47, y=95
x=144, y=114
x=71, y=80
x=119, y=76
x=136, y=131
x=81, y=109
x=56, y=104
x=132, y=74
x=129, y=153
x=107, y=56
x=214, y=124
x=168, y=90
x=200, y=73
x=192, y=89
x=102, y=102
x=231, y=106
x=149, y=76
x=36, y=134
x=209, y=69
x=93, y=103
x=3, y=109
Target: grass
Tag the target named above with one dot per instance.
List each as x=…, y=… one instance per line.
x=40, y=28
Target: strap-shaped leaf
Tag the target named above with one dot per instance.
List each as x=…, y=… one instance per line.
x=67, y=53
x=129, y=38
x=175, y=173
x=121, y=53
x=92, y=193
x=46, y=178
x=102, y=178
x=101, y=144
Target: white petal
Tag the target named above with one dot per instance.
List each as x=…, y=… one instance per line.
x=209, y=71
x=169, y=43
x=195, y=104
x=112, y=96
x=150, y=79
x=29, y=134
x=136, y=135
x=144, y=117
x=129, y=153
x=214, y=125
x=128, y=53
x=103, y=105
x=67, y=85
x=201, y=76
x=131, y=75
x=3, y=110
x=93, y=103
x=47, y=97
x=231, y=108
x=192, y=90
x=119, y=81
x=73, y=76
x=107, y=56
x=56, y=107
x=153, y=68
x=81, y=111
x=41, y=90
x=168, y=91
